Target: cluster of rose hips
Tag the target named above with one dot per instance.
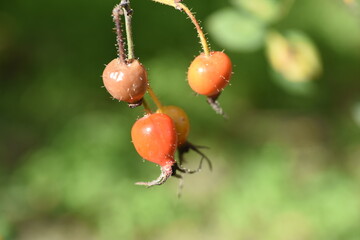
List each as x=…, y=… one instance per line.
x=158, y=135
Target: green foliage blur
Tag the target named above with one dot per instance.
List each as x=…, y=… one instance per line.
x=286, y=162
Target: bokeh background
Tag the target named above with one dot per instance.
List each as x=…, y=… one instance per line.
x=286, y=162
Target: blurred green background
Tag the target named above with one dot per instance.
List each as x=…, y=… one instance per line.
x=286, y=162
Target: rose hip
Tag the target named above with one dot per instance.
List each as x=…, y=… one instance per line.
x=126, y=82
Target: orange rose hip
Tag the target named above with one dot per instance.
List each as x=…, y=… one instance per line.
x=209, y=75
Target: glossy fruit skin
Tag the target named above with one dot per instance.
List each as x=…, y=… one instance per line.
x=209, y=75
x=125, y=82
x=181, y=121
x=155, y=139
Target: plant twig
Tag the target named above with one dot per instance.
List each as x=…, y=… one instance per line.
x=119, y=36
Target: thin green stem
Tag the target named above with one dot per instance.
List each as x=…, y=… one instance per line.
x=154, y=98
x=125, y=4
x=199, y=30
x=182, y=7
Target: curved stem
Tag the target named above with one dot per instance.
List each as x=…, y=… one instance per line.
x=182, y=7
x=201, y=34
x=154, y=98
x=196, y=149
x=119, y=37
x=166, y=172
x=125, y=4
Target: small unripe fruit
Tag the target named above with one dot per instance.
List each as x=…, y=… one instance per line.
x=209, y=75
x=126, y=82
x=181, y=121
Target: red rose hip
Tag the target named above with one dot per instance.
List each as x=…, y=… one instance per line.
x=126, y=82
x=155, y=139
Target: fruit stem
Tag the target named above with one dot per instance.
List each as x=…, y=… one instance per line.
x=125, y=4
x=146, y=106
x=154, y=98
x=119, y=37
x=201, y=34
x=182, y=7
x=166, y=172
